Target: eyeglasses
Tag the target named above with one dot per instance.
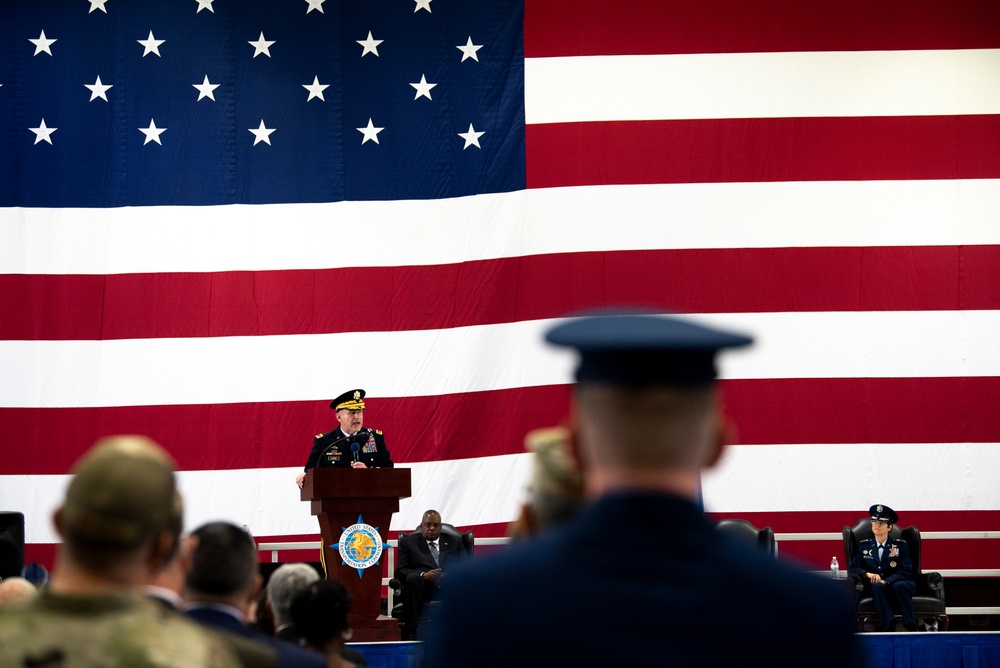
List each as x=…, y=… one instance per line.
x=882, y=522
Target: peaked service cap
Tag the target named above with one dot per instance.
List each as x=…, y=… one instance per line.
x=638, y=348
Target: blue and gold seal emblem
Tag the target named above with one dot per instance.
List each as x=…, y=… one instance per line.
x=360, y=546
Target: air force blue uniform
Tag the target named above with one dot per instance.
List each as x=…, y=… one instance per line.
x=896, y=572
x=639, y=579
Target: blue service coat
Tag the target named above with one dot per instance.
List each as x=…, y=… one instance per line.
x=894, y=567
x=639, y=579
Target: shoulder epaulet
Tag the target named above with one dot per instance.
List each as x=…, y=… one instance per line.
x=319, y=435
x=379, y=432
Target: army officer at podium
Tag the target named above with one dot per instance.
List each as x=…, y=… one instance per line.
x=349, y=445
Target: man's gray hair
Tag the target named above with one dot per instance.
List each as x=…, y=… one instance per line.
x=285, y=583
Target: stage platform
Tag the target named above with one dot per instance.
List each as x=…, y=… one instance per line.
x=933, y=650
x=887, y=650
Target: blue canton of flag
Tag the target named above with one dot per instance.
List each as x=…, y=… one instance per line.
x=193, y=102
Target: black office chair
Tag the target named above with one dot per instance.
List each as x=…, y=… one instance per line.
x=468, y=542
x=928, y=603
x=745, y=532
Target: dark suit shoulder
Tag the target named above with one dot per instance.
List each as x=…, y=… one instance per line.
x=250, y=652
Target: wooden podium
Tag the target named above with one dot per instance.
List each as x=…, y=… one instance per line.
x=337, y=497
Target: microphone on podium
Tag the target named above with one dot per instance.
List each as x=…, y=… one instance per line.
x=354, y=449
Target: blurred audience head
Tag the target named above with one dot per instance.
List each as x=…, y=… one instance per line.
x=16, y=591
x=287, y=581
x=319, y=613
x=223, y=566
x=261, y=616
x=555, y=492
x=121, y=509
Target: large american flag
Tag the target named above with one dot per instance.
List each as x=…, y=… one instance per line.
x=217, y=215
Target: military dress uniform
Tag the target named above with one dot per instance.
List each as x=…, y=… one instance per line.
x=336, y=449
x=895, y=569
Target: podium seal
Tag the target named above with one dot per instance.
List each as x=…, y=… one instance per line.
x=360, y=546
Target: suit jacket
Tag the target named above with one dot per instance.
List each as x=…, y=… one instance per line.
x=289, y=655
x=894, y=567
x=640, y=579
x=413, y=554
x=251, y=654
x=288, y=633
x=333, y=450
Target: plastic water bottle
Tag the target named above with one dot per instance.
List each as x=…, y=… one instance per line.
x=835, y=568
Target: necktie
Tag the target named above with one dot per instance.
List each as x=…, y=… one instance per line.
x=434, y=551
x=881, y=546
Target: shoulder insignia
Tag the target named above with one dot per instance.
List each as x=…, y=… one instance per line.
x=319, y=435
x=378, y=431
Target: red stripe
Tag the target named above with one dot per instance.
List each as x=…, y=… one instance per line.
x=938, y=553
x=46, y=307
x=763, y=149
x=834, y=520
x=865, y=410
x=610, y=27
x=420, y=429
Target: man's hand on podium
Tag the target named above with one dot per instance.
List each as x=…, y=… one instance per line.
x=300, y=478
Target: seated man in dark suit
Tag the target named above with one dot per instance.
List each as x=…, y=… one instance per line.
x=223, y=582
x=422, y=559
x=884, y=565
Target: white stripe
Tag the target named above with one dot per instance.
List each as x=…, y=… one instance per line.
x=551, y=220
x=794, y=478
x=485, y=490
x=761, y=85
x=137, y=372
x=489, y=490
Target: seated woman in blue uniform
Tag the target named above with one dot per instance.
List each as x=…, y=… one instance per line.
x=884, y=566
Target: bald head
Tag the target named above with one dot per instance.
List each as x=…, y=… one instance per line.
x=14, y=591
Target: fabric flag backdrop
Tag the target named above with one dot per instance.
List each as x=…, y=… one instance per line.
x=218, y=215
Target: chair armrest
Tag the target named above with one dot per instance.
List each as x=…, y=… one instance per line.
x=856, y=581
x=936, y=584
x=395, y=585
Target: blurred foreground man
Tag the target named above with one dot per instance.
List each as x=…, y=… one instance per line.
x=639, y=577
x=120, y=523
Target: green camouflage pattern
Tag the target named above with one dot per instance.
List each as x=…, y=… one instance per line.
x=68, y=631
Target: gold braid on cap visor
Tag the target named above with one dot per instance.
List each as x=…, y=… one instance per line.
x=351, y=405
